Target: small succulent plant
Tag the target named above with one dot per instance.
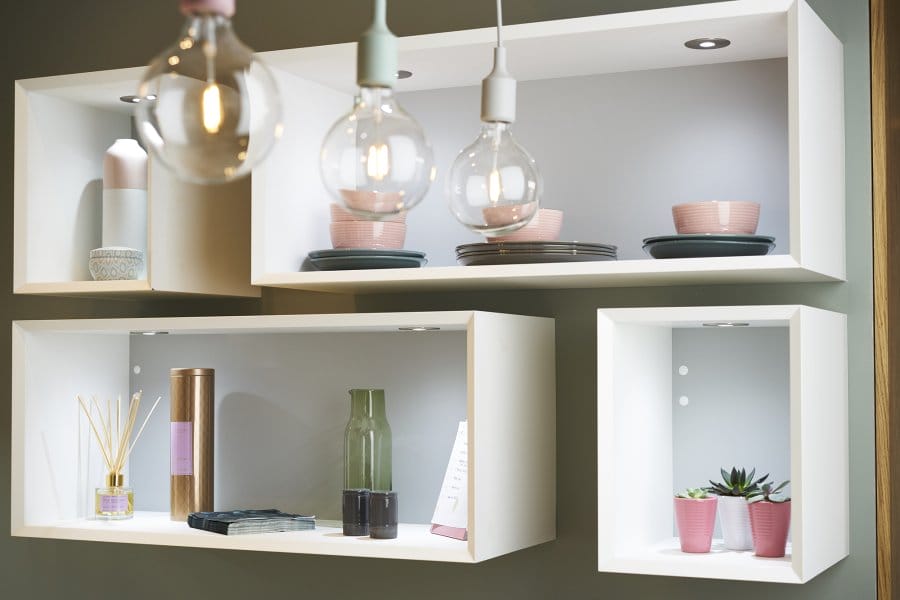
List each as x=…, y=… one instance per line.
x=737, y=483
x=767, y=491
x=693, y=494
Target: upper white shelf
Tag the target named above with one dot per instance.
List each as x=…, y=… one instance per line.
x=646, y=123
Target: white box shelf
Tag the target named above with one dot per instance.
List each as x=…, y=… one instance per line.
x=679, y=397
x=281, y=401
x=198, y=238
x=648, y=123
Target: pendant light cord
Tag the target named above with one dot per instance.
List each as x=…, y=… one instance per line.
x=499, y=23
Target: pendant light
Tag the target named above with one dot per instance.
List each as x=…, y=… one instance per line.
x=207, y=108
x=375, y=160
x=494, y=185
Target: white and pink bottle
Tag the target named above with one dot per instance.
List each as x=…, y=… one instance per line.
x=125, y=198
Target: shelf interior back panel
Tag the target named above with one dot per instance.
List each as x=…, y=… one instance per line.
x=616, y=151
x=282, y=404
x=731, y=407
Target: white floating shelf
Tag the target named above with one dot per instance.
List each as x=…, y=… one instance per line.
x=414, y=542
x=769, y=393
x=281, y=386
x=761, y=119
x=198, y=238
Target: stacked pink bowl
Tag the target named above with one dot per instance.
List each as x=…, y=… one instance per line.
x=543, y=227
x=350, y=231
x=716, y=216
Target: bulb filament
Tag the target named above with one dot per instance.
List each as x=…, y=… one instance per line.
x=378, y=163
x=212, y=108
x=494, y=186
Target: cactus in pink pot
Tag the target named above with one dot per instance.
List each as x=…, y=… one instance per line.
x=770, y=520
x=695, y=516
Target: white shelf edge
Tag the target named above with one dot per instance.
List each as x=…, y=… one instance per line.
x=779, y=268
x=413, y=542
x=666, y=558
x=120, y=288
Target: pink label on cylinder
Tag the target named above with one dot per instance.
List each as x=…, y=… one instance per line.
x=113, y=504
x=181, y=451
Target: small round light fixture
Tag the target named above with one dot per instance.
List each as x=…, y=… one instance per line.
x=707, y=43
x=130, y=99
x=726, y=324
x=149, y=333
x=403, y=74
x=419, y=328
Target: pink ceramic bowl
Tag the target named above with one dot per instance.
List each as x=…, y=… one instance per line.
x=544, y=227
x=495, y=216
x=375, y=202
x=339, y=214
x=716, y=216
x=368, y=234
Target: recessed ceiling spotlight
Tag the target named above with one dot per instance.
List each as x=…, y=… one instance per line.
x=130, y=99
x=149, y=333
x=403, y=74
x=707, y=43
x=419, y=328
x=726, y=324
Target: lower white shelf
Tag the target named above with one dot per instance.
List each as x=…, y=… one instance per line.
x=666, y=558
x=413, y=542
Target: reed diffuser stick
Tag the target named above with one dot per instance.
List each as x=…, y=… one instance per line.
x=113, y=437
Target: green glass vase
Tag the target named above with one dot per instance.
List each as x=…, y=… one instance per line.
x=367, y=443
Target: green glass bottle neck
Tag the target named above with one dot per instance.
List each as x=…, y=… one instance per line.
x=367, y=404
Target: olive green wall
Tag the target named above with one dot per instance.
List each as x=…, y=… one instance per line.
x=50, y=38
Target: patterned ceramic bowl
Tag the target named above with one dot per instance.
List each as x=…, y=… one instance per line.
x=544, y=227
x=368, y=234
x=340, y=214
x=115, y=263
x=716, y=216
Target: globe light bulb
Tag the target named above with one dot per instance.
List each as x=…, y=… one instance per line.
x=208, y=109
x=375, y=160
x=494, y=185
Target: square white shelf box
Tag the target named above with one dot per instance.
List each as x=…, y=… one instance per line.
x=281, y=401
x=678, y=397
x=646, y=123
x=198, y=238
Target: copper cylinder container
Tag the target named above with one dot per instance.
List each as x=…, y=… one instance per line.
x=191, y=393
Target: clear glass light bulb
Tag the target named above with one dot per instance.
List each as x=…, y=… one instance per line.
x=494, y=184
x=376, y=160
x=208, y=110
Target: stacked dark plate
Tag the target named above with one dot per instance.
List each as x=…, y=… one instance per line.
x=706, y=245
x=342, y=259
x=506, y=253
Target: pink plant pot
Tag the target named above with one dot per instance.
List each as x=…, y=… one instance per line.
x=696, y=519
x=770, y=523
x=368, y=234
x=544, y=227
x=716, y=216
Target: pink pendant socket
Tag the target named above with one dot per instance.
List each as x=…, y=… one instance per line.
x=220, y=7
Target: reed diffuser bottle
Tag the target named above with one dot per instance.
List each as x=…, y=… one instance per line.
x=114, y=501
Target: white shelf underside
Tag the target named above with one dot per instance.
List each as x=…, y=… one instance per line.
x=413, y=542
x=666, y=558
x=623, y=273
